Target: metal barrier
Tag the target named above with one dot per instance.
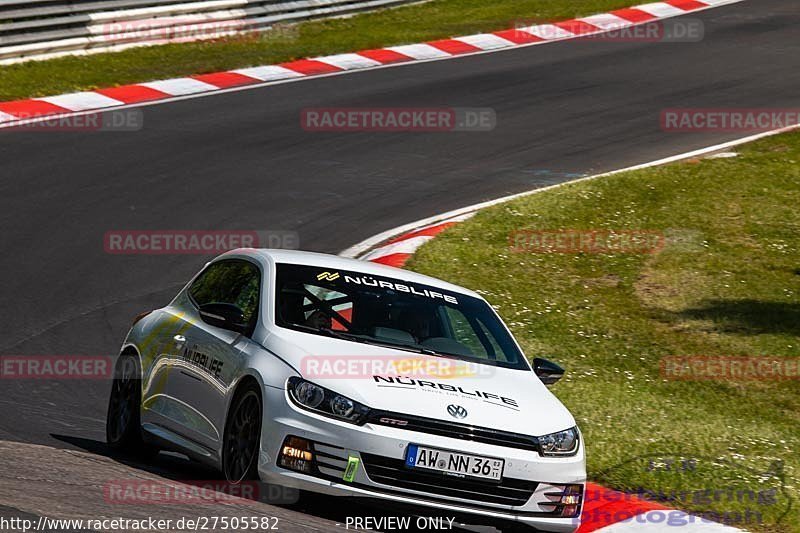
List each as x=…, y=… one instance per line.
x=41, y=29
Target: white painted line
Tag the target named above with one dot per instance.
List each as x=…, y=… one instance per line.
x=485, y=41
x=413, y=243
x=665, y=522
x=661, y=9
x=180, y=86
x=349, y=61
x=723, y=155
x=548, y=32
x=407, y=246
x=402, y=230
x=4, y=117
x=81, y=101
x=607, y=21
x=460, y=218
x=268, y=73
x=364, y=246
x=419, y=51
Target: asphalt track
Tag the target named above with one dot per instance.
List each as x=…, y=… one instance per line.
x=241, y=161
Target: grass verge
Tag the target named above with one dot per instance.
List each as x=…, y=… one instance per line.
x=409, y=24
x=726, y=283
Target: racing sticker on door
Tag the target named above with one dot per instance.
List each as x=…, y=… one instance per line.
x=205, y=363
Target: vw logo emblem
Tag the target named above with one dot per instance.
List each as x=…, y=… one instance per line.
x=456, y=411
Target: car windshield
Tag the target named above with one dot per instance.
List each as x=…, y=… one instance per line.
x=392, y=312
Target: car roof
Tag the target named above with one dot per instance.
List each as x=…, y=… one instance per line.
x=329, y=261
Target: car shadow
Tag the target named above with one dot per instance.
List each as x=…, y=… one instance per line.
x=177, y=467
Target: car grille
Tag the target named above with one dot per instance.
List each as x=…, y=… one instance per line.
x=454, y=430
x=393, y=472
x=331, y=461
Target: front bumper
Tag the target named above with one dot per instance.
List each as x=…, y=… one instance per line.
x=529, y=480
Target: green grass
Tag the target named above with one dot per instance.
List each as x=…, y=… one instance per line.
x=408, y=24
x=726, y=283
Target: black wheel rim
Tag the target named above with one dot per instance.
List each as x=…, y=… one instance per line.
x=123, y=399
x=241, y=440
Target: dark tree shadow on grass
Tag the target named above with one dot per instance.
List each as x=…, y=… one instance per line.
x=749, y=316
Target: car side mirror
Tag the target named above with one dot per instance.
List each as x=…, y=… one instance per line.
x=548, y=371
x=225, y=316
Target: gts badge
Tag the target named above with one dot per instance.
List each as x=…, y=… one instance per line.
x=202, y=361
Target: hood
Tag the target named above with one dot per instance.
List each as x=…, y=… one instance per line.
x=406, y=382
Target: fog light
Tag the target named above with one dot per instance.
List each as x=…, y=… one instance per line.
x=297, y=454
x=571, y=500
x=568, y=504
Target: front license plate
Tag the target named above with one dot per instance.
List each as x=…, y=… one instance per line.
x=454, y=463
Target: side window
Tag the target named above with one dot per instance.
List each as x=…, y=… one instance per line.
x=475, y=335
x=232, y=282
x=464, y=333
x=498, y=350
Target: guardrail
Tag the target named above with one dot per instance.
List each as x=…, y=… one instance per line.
x=41, y=29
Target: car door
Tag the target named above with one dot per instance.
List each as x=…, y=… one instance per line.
x=212, y=357
x=161, y=345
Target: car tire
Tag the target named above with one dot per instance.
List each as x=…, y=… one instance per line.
x=123, y=419
x=242, y=440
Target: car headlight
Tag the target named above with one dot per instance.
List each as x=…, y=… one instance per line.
x=326, y=402
x=560, y=443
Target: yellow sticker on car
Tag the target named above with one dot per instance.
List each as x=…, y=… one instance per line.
x=352, y=468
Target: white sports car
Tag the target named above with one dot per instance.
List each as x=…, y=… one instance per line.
x=347, y=378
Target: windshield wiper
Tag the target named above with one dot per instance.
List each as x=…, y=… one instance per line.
x=344, y=335
x=404, y=346
x=375, y=342
x=329, y=332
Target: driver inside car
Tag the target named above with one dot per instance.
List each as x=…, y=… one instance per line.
x=416, y=323
x=319, y=320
